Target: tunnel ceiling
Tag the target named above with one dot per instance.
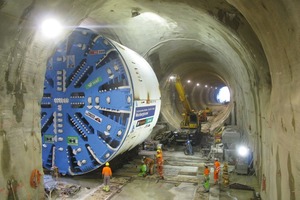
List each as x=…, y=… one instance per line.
x=202, y=41
x=209, y=42
x=206, y=41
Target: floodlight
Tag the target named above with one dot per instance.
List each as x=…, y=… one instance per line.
x=51, y=28
x=243, y=151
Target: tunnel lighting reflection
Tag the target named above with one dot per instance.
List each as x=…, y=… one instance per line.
x=153, y=16
x=243, y=151
x=51, y=28
x=171, y=78
x=223, y=95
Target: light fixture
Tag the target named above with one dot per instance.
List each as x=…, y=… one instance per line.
x=172, y=77
x=243, y=151
x=51, y=28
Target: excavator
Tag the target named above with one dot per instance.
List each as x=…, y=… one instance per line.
x=190, y=126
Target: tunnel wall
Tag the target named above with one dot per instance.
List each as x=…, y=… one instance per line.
x=24, y=53
x=276, y=24
x=273, y=118
x=20, y=91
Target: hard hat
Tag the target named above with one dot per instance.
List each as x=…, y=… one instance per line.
x=106, y=164
x=158, y=151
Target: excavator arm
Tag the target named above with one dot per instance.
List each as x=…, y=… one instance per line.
x=182, y=95
x=190, y=118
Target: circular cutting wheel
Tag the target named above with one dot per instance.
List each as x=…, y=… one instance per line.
x=87, y=105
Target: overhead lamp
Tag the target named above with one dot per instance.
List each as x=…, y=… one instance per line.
x=172, y=77
x=51, y=28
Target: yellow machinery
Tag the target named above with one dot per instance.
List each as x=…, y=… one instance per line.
x=190, y=118
x=190, y=125
x=208, y=111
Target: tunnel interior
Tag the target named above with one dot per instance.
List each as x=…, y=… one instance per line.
x=215, y=43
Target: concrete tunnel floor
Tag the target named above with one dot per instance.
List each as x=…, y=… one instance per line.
x=183, y=176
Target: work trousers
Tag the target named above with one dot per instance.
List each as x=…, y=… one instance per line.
x=151, y=166
x=216, y=176
x=106, y=180
x=160, y=170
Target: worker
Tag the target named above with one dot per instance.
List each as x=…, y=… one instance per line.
x=206, y=183
x=159, y=163
x=206, y=172
x=106, y=174
x=143, y=170
x=225, y=174
x=55, y=172
x=188, y=147
x=216, y=170
x=161, y=152
x=150, y=164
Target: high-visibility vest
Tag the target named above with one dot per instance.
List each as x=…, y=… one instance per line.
x=206, y=171
x=106, y=171
x=217, y=166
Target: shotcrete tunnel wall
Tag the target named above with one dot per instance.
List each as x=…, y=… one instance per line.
x=278, y=98
x=254, y=48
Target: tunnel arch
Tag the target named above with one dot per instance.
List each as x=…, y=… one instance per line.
x=206, y=63
x=263, y=77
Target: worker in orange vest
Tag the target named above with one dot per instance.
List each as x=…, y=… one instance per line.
x=106, y=174
x=216, y=170
x=161, y=152
x=150, y=164
x=206, y=172
x=206, y=183
x=159, y=163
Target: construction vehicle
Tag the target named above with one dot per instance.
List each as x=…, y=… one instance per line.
x=190, y=126
x=208, y=111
